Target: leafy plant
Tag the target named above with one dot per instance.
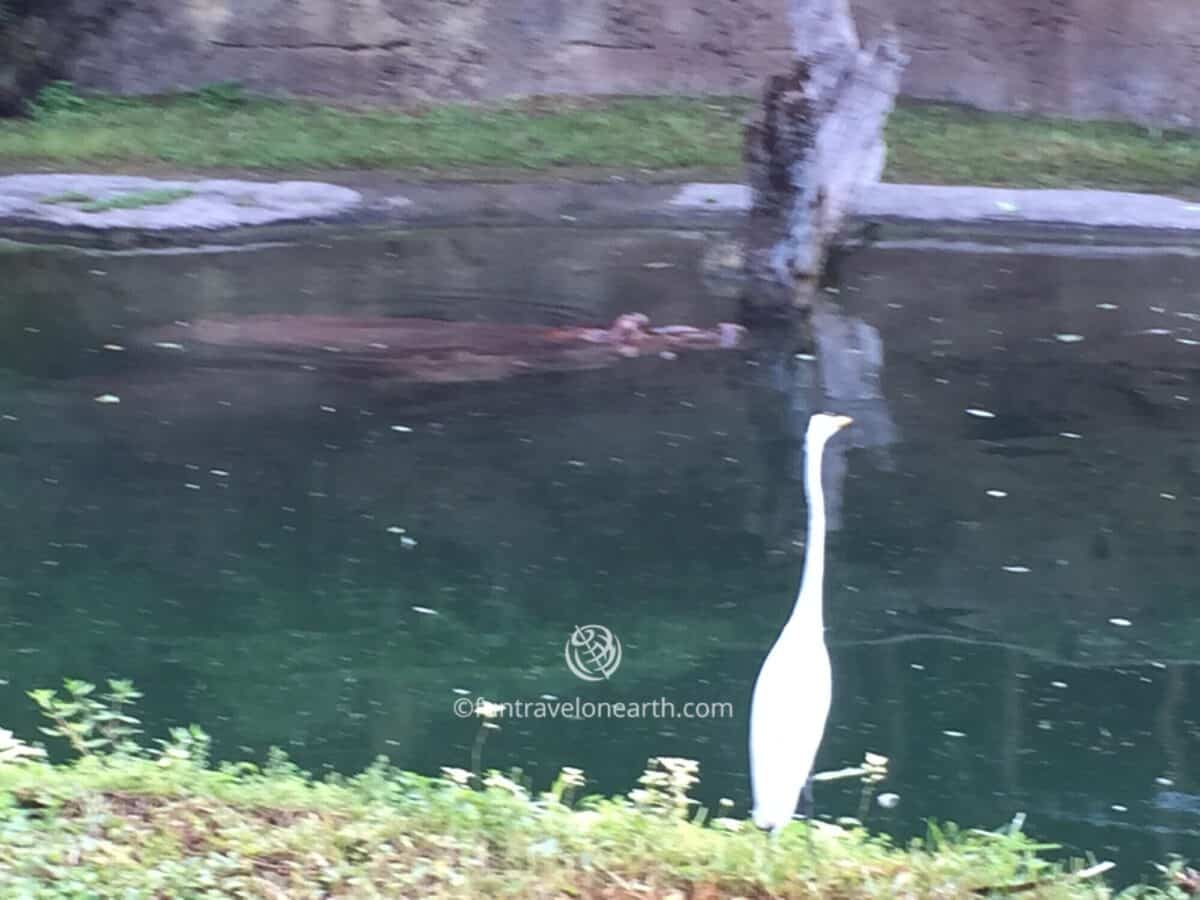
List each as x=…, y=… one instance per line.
x=13, y=749
x=56, y=97
x=665, y=784
x=222, y=95
x=190, y=745
x=92, y=725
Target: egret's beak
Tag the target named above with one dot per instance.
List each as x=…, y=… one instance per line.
x=842, y=421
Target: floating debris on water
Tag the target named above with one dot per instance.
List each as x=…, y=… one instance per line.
x=950, y=733
x=1117, y=807
x=997, y=494
x=1187, y=341
x=1018, y=570
x=403, y=429
x=980, y=413
x=1119, y=622
x=396, y=529
x=168, y=345
x=1068, y=338
x=658, y=265
x=329, y=409
x=1070, y=435
x=407, y=543
x=108, y=398
x=888, y=800
x=426, y=611
x=1167, y=496
x=1006, y=206
x=1061, y=685
x=219, y=473
x=116, y=348
x=916, y=666
x=191, y=486
x=1107, y=306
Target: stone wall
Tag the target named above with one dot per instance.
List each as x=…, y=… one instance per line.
x=463, y=49
x=1125, y=59
x=1108, y=59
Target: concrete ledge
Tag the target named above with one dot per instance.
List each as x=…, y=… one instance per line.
x=61, y=200
x=247, y=211
x=974, y=205
x=1002, y=206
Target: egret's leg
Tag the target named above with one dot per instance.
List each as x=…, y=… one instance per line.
x=807, y=805
x=806, y=809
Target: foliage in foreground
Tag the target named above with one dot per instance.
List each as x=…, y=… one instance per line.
x=221, y=126
x=126, y=821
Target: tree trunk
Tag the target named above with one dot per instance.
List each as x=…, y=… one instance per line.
x=818, y=139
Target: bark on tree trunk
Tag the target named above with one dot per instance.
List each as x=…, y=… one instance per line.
x=817, y=140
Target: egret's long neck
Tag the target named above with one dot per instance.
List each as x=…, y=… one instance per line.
x=808, y=604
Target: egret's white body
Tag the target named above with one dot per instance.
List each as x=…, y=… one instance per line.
x=793, y=690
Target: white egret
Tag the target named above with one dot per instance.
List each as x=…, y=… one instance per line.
x=794, y=687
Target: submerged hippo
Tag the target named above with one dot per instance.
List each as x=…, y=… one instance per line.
x=428, y=349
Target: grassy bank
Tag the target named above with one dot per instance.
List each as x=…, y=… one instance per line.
x=125, y=821
x=221, y=128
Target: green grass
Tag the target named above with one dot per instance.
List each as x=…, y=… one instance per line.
x=133, y=200
x=221, y=128
x=934, y=144
x=68, y=197
x=138, y=199
x=112, y=826
x=196, y=132
x=125, y=821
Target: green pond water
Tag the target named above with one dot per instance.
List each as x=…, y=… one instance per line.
x=327, y=564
